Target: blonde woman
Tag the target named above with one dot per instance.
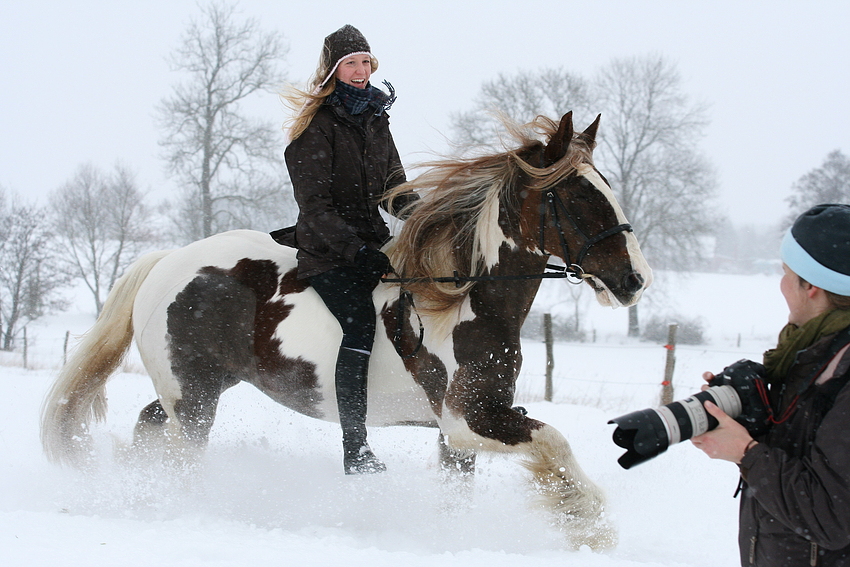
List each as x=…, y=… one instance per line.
x=342, y=160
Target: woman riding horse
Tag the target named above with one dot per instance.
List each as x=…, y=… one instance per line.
x=341, y=160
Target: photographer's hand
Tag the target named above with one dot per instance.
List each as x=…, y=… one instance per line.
x=728, y=441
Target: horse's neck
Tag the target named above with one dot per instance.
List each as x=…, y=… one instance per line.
x=510, y=299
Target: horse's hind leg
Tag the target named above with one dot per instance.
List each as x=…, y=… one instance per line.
x=188, y=431
x=179, y=429
x=150, y=425
x=210, y=348
x=455, y=462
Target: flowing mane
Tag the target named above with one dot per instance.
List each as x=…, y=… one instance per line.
x=455, y=225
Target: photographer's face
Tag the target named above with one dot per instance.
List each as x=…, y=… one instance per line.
x=800, y=297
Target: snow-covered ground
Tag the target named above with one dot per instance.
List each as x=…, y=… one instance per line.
x=270, y=490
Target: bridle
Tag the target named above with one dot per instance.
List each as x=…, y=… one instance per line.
x=573, y=271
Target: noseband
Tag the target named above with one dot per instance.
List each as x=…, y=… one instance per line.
x=552, y=202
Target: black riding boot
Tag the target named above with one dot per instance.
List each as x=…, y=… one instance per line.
x=351, y=370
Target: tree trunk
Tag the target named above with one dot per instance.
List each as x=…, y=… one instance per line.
x=8, y=340
x=634, y=327
x=206, y=178
x=206, y=210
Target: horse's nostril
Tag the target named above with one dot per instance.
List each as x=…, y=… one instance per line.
x=633, y=282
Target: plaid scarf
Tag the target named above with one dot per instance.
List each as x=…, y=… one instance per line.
x=356, y=100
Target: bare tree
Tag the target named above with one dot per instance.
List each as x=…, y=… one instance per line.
x=29, y=275
x=648, y=146
x=102, y=224
x=223, y=159
x=649, y=150
x=829, y=183
x=521, y=98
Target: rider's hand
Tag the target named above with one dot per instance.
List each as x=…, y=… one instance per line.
x=373, y=261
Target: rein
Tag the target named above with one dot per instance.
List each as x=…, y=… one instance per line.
x=457, y=279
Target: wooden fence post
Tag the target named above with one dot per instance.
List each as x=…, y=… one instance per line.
x=667, y=384
x=550, y=358
x=65, y=348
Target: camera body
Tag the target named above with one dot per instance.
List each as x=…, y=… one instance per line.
x=648, y=433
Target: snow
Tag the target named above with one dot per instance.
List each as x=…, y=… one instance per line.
x=270, y=488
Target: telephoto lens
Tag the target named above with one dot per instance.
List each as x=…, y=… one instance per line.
x=648, y=433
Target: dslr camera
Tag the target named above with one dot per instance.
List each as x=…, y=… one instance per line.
x=647, y=433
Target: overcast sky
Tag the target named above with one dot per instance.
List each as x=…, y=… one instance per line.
x=79, y=79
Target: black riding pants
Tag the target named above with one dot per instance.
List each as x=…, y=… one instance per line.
x=347, y=293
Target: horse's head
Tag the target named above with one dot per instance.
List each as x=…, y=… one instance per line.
x=569, y=211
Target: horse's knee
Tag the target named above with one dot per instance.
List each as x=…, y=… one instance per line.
x=504, y=425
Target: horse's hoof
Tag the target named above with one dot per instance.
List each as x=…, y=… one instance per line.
x=364, y=462
x=596, y=534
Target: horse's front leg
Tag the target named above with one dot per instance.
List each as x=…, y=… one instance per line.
x=577, y=502
x=483, y=422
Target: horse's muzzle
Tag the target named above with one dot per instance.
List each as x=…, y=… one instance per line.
x=632, y=283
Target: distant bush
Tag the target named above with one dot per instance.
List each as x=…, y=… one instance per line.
x=689, y=332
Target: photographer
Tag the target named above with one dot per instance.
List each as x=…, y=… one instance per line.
x=795, y=498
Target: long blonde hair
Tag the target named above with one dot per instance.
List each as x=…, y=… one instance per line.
x=305, y=103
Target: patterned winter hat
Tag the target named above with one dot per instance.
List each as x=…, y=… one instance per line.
x=344, y=42
x=817, y=247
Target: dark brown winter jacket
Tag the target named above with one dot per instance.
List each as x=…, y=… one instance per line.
x=795, y=506
x=341, y=167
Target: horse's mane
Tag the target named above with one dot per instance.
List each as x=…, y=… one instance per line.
x=454, y=226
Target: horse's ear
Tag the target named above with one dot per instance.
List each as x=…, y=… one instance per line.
x=560, y=141
x=589, y=133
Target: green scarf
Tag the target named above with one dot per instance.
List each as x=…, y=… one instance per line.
x=793, y=339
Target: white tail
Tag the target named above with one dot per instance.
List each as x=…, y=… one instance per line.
x=79, y=392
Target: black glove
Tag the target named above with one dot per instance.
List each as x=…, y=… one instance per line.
x=373, y=261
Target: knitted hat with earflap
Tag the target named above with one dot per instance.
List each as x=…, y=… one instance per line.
x=344, y=42
x=817, y=247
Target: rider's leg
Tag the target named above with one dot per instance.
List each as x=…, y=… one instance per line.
x=347, y=293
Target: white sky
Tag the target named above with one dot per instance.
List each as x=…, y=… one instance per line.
x=79, y=80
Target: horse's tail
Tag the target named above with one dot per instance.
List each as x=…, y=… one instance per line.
x=79, y=392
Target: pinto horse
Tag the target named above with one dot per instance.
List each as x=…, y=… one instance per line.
x=469, y=257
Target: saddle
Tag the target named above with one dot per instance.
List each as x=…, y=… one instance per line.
x=285, y=236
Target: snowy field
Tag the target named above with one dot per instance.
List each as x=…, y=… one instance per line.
x=270, y=490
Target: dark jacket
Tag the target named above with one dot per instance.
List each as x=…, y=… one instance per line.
x=795, y=506
x=341, y=166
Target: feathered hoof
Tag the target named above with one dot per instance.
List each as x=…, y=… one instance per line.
x=597, y=534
